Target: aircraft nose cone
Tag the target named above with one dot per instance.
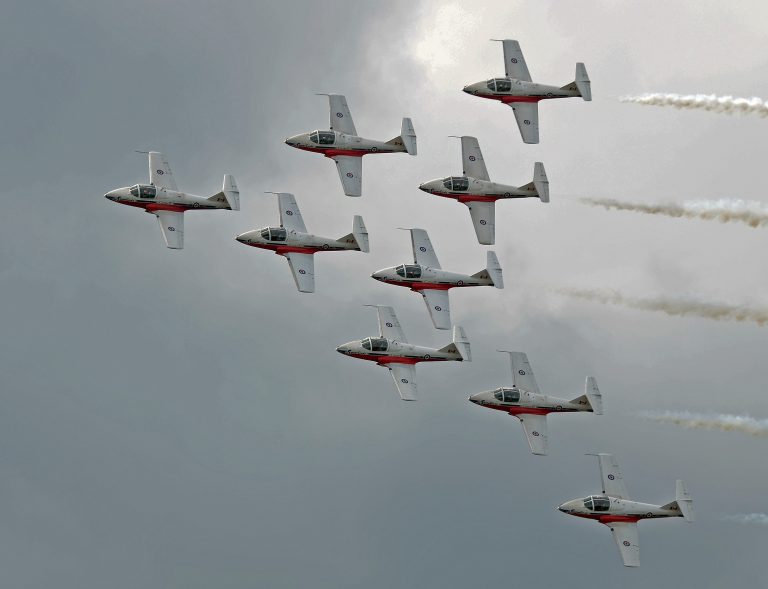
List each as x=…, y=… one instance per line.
x=340, y=349
x=378, y=275
x=240, y=238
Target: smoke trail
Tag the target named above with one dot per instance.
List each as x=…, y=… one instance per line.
x=723, y=210
x=760, y=519
x=710, y=102
x=676, y=307
x=727, y=423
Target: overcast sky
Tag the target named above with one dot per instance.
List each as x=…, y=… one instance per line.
x=181, y=418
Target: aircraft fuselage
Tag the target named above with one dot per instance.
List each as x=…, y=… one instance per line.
x=474, y=190
x=419, y=277
x=334, y=143
x=394, y=352
x=619, y=510
x=282, y=242
x=516, y=401
x=508, y=90
x=151, y=199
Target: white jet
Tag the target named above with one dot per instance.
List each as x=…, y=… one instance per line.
x=343, y=145
x=299, y=247
x=392, y=350
x=475, y=189
x=616, y=510
x=531, y=407
x=426, y=277
x=518, y=91
x=162, y=198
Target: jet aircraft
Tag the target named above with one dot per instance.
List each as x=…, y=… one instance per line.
x=616, y=510
x=518, y=91
x=475, y=189
x=292, y=241
x=531, y=407
x=426, y=277
x=163, y=198
x=392, y=350
x=343, y=145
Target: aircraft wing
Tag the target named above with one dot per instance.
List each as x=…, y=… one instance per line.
x=522, y=373
x=160, y=171
x=610, y=473
x=527, y=115
x=535, y=427
x=389, y=326
x=351, y=174
x=404, y=376
x=438, y=306
x=290, y=215
x=472, y=158
x=423, y=252
x=303, y=268
x=484, y=219
x=172, y=224
x=514, y=62
x=341, y=118
x=628, y=541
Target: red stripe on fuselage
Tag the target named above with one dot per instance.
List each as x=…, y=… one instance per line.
x=470, y=197
x=610, y=519
x=422, y=285
x=506, y=99
x=152, y=207
x=394, y=359
x=332, y=151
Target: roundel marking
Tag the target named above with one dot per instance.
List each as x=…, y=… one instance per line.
x=289, y=213
x=513, y=60
x=559, y=408
x=427, y=356
x=526, y=122
x=326, y=246
x=302, y=271
x=521, y=372
x=611, y=477
x=404, y=380
x=460, y=283
x=349, y=174
x=340, y=115
x=535, y=434
x=472, y=158
x=483, y=222
x=549, y=94
x=438, y=308
x=160, y=172
x=197, y=204
x=388, y=324
x=374, y=149
x=626, y=543
x=171, y=228
x=422, y=248
x=649, y=514
x=507, y=194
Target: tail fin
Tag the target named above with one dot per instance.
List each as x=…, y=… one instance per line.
x=492, y=271
x=682, y=503
x=229, y=193
x=358, y=237
x=407, y=137
x=459, y=345
x=581, y=84
x=540, y=183
x=591, y=396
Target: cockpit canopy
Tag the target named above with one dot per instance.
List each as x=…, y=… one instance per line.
x=144, y=191
x=409, y=271
x=376, y=344
x=457, y=183
x=507, y=395
x=499, y=85
x=323, y=137
x=274, y=233
x=597, y=503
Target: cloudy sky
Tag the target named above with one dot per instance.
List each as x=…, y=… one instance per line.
x=181, y=418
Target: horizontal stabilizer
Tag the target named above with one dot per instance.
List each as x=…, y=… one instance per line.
x=592, y=396
x=459, y=345
x=229, y=193
x=358, y=237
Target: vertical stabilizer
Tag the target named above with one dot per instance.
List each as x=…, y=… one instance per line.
x=582, y=82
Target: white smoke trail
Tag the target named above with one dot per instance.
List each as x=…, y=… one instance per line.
x=760, y=519
x=710, y=102
x=752, y=213
x=675, y=307
x=723, y=422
